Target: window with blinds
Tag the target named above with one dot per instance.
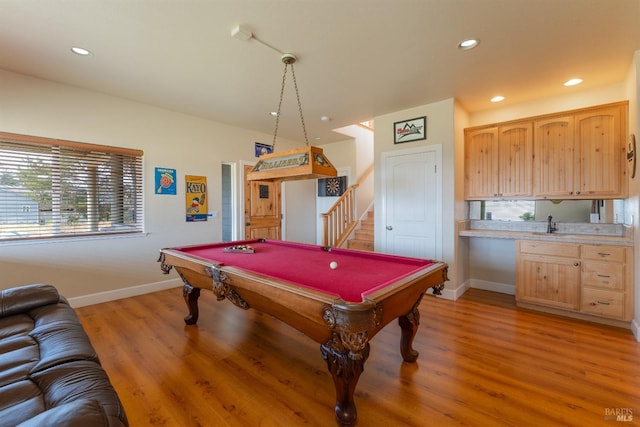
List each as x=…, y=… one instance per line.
x=51, y=188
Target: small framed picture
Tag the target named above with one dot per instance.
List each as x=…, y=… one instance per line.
x=410, y=130
x=263, y=149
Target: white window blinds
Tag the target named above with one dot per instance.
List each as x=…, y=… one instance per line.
x=52, y=188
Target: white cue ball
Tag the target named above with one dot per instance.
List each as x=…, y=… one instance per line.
x=333, y=265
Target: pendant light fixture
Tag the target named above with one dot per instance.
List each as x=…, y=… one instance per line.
x=297, y=164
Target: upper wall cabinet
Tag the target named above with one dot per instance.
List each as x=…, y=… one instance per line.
x=498, y=162
x=554, y=157
x=579, y=154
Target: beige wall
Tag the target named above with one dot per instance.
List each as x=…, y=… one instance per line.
x=440, y=130
x=197, y=146
x=359, y=153
x=632, y=88
x=191, y=145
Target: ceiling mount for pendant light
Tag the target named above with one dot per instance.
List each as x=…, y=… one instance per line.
x=297, y=164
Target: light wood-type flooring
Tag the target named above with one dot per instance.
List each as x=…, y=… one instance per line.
x=483, y=362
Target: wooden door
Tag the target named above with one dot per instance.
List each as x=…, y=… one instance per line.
x=599, y=141
x=262, y=208
x=515, y=158
x=481, y=164
x=554, y=159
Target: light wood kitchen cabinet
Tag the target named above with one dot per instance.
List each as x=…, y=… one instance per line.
x=578, y=154
x=548, y=273
x=581, y=155
x=590, y=280
x=498, y=162
x=607, y=283
x=600, y=138
x=554, y=157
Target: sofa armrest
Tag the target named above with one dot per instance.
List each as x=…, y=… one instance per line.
x=24, y=298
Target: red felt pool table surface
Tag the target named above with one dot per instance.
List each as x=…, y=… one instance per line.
x=358, y=273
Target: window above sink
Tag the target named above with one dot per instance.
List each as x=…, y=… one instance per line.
x=610, y=211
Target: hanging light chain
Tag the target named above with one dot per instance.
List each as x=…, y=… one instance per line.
x=295, y=84
x=289, y=59
x=275, y=132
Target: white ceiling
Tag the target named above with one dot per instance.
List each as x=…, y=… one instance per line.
x=357, y=59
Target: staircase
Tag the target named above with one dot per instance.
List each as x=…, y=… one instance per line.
x=363, y=239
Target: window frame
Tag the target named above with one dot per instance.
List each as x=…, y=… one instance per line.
x=108, y=179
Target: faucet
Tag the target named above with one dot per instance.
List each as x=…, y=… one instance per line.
x=551, y=226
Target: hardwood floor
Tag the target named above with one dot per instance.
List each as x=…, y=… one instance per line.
x=483, y=362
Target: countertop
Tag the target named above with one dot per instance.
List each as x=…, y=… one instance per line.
x=602, y=239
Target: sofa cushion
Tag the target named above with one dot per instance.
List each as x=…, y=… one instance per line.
x=50, y=373
x=18, y=355
x=56, y=387
x=39, y=339
x=20, y=401
x=80, y=413
x=60, y=336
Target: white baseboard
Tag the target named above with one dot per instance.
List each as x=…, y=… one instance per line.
x=451, y=294
x=635, y=328
x=115, y=294
x=502, y=288
x=454, y=294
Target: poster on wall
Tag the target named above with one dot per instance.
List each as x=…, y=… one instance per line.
x=196, y=198
x=165, y=181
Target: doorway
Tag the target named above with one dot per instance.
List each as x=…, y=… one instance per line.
x=412, y=202
x=229, y=210
x=262, y=208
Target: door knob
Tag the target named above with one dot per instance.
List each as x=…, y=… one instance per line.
x=389, y=227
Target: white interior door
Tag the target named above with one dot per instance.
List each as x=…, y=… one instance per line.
x=412, y=204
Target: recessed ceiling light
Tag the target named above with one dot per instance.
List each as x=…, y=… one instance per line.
x=274, y=113
x=80, y=51
x=497, y=98
x=573, y=82
x=468, y=44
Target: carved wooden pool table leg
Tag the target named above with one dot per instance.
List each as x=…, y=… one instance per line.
x=345, y=371
x=409, y=325
x=191, y=295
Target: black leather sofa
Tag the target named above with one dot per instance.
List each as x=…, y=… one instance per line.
x=50, y=374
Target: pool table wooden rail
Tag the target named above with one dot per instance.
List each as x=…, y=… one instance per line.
x=343, y=329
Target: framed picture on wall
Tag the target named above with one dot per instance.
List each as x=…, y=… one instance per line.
x=261, y=149
x=410, y=130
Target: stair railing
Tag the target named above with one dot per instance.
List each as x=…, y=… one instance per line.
x=339, y=221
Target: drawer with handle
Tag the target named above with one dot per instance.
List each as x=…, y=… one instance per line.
x=603, y=274
x=603, y=303
x=603, y=253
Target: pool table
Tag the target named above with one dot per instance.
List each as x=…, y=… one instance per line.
x=340, y=306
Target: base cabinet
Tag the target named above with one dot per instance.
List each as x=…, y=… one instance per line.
x=553, y=281
x=594, y=280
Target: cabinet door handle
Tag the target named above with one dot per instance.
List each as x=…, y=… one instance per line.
x=604, y=254
x=604, y=275
x=576, y=264
x=600, y=302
